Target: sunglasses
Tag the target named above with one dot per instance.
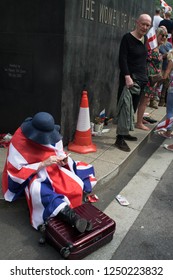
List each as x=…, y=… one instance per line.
x=163, y=35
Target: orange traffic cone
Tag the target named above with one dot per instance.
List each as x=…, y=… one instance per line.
x=83, y=139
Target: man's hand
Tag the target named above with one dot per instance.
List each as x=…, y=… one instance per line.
x=129, y=82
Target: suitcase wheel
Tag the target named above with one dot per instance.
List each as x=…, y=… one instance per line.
x=65, y=251
x=42, y=241
x=42, y=229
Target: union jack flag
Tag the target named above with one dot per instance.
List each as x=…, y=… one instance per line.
x=165, y=124
x=47, y=191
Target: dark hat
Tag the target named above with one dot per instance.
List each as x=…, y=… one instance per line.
x=41, y=129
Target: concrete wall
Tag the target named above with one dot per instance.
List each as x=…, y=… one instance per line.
x=31, y=59
x=51, y=50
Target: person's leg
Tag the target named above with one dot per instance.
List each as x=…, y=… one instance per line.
x=121, y=86
x=169, y=114
x=165, y=85
x=140, y=112
x=69, y=215
x=169, y=111
x=47, y=203
x=169, y=104
x=120, y=142
x=137, y=98
x=153, y=103
x=154, y=99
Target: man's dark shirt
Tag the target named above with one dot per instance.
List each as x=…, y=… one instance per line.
x=168, y=24
x=133, y=57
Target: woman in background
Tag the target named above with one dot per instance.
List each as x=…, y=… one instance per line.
x=169, y=104
x=154, y=61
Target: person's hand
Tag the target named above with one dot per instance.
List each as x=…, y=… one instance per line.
x=54, y=160
x=129, y=82
x=64, y=160
x=51, y=160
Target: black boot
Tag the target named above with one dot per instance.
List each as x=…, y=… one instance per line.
x=68, y=215
x=121, y=144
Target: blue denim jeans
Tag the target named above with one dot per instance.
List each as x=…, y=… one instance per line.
x=169, y=105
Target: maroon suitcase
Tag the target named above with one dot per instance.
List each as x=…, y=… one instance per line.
x=74, y=245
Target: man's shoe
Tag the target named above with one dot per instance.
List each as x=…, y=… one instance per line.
x=150, y=120
x=130, y=138
x=122, y=145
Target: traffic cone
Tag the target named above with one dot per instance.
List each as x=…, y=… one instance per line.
x=83, y=139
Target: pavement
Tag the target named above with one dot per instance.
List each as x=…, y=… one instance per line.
x=108, y=161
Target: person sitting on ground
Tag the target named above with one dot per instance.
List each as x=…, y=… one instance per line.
x=38, y=167
x=154, y=62
x=132, y=63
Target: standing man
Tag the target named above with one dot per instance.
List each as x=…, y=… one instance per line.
x=157, y=18
x=133, y=69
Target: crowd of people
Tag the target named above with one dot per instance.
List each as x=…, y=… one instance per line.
x=146, y=75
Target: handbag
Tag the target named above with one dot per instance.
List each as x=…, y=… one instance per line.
x=153, y=79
